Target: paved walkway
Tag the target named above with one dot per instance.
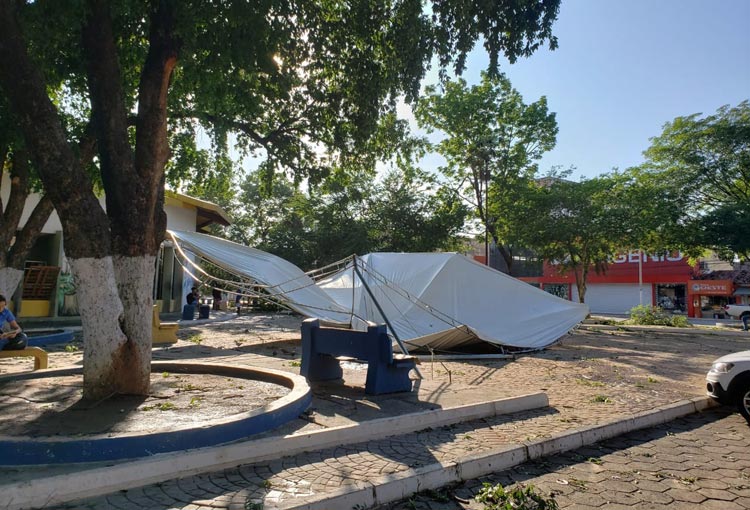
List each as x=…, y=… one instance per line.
x=594, y=376
x=692, y=460
x=701, y=461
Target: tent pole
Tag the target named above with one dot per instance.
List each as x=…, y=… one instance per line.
x=380, y=310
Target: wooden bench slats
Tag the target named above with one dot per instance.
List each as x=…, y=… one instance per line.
x=162, y=332
x=39, y=355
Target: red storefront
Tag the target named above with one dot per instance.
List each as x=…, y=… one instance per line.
x=701, y=292
x=631, y=279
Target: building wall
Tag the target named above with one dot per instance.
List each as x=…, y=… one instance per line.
x=631, y=279
x=49, y=250
x=179, y=215
x=616, y=298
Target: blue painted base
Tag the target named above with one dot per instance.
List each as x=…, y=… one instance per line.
x=385, y=373
x=48, y=337
x=16, y=451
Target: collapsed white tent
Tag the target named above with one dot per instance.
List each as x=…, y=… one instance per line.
x=445, y=300
x=283, y=280
x=438, y=300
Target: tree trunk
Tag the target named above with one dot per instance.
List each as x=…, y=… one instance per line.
x=111, y=255
x=505, y=253
x=135, y=282
x=85, y=225
x=13, y=253
x=9, y=279
x=581, y=276
x=133, y=180
x=107, y=352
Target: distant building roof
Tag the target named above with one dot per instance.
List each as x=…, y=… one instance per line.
x=208, y=212
x=738, y=277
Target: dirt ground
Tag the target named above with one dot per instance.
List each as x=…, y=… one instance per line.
x=593, y=373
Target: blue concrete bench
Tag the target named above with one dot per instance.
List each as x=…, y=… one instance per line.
x=386, y=372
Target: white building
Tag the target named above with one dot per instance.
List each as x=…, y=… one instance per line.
x=46, y=289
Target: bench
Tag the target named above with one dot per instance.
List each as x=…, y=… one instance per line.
x=386, y=372
x=162, y=333
x=39, y=355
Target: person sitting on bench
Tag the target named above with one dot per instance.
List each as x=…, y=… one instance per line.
x=194, y=297
x=16, y=339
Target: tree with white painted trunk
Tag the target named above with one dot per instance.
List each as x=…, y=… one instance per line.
x=111, y=253
x=305, y=83
x=16, y=239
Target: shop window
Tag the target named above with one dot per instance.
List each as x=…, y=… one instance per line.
x=713, y=304
x=557, y=289
x=671, y=297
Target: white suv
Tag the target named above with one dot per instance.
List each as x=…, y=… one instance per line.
x=728, y=381
x=737, y=311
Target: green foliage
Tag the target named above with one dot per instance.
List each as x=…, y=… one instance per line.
x=703, y=165
x=579, y=226
x=164, y=406
x=492, y=145
x=195, y=339
x=348, y=213
x=518, y=497
x=646, y=315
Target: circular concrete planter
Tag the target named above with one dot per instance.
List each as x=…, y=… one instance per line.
x=15, y=451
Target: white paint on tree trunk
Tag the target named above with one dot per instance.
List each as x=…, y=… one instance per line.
x=9, y=279
x=103, y=339
x=135, y=282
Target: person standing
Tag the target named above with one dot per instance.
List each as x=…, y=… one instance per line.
x=216, y=294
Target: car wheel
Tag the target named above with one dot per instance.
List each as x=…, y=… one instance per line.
x=742, y=399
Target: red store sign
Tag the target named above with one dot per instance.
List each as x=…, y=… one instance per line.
x=710, y=287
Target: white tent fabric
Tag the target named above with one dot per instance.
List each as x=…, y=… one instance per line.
x=445, y=300
x=440, y=300
x=283, y=279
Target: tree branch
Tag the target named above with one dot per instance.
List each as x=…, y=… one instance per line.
x=19, y=190
x=28, y=235
x=67, y=185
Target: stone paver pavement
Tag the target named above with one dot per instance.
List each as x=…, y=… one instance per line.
x=694, y=460
x=593, y=377
x=701, y=461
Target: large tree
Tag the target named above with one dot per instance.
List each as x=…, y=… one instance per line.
x=492, y=145
x=290, y=77
x=580, y=226
x=18, y=234
x=702, y=163
x=405, y=211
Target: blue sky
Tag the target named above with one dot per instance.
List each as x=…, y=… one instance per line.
x=623, y=68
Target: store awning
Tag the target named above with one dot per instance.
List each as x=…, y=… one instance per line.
x=742, y=291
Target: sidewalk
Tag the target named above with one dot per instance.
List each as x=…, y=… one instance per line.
x=595, y=376
x=701, y=461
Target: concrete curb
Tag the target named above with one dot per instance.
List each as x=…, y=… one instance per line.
x=104, y=480
x=406, y=483
x=104, y=447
